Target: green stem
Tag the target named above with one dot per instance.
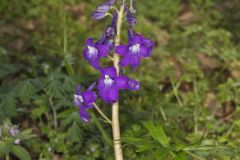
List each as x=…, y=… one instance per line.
x=102, y=114
x=115, y=106
x=7, y=157
x=175, y=91
x=194, y=155
x=68, y=66
x=55, y=122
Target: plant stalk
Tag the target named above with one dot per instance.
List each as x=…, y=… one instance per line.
x=102, y=114
x=115, y=106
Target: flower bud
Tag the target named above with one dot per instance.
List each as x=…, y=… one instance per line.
x=110, y=31
x=134, y=85
x=131, y=19
x=17, y=141
x=98, y=15
x=103, y=8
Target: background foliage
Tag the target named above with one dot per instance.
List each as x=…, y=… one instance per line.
x=188, y=107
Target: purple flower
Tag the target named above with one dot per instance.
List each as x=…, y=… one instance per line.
x=138, y=47
x=109, y=84
x=84, y=100
x=14, y=130
x=106, y=39
x=92, y=52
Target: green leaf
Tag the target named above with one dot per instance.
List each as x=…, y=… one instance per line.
x=181, y=156
x=5, y=147
x=26, y=134
x=157, y=133
x=8, y=69
x=21, y=153
x=7, y=106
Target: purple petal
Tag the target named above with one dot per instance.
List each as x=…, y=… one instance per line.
x=130, y=34
x=90, y=53
x=110, y=43
x=84, y=114
x=103, y=8
x=144, y=51
x=125, y=61
x=135, y=61
x=100, y=84
x=89, y=42
x=137, y=39
x=88, y=106
x=113, y=94
x=95, y=64
x=103, y=50
x=98, y=15
x=100, y=41
x=77, y=101
x=110, y=71
x=121, y=49
x=89, y=97
x=133, y=85
x=109, y=95
x=148, y=43
x=92, y=86
x=78, y=89
x=86, y=54
x=93, y=60
x=121, y=82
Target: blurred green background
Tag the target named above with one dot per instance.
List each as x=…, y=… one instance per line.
x=190, y=86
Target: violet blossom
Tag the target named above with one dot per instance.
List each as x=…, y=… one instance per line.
x=14, y=130
x=137, y=48
x=84, y=100
x=109, y=84
x=92, y=52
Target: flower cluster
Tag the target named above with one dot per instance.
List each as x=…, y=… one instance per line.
x=110, y=82
x=10, y=131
